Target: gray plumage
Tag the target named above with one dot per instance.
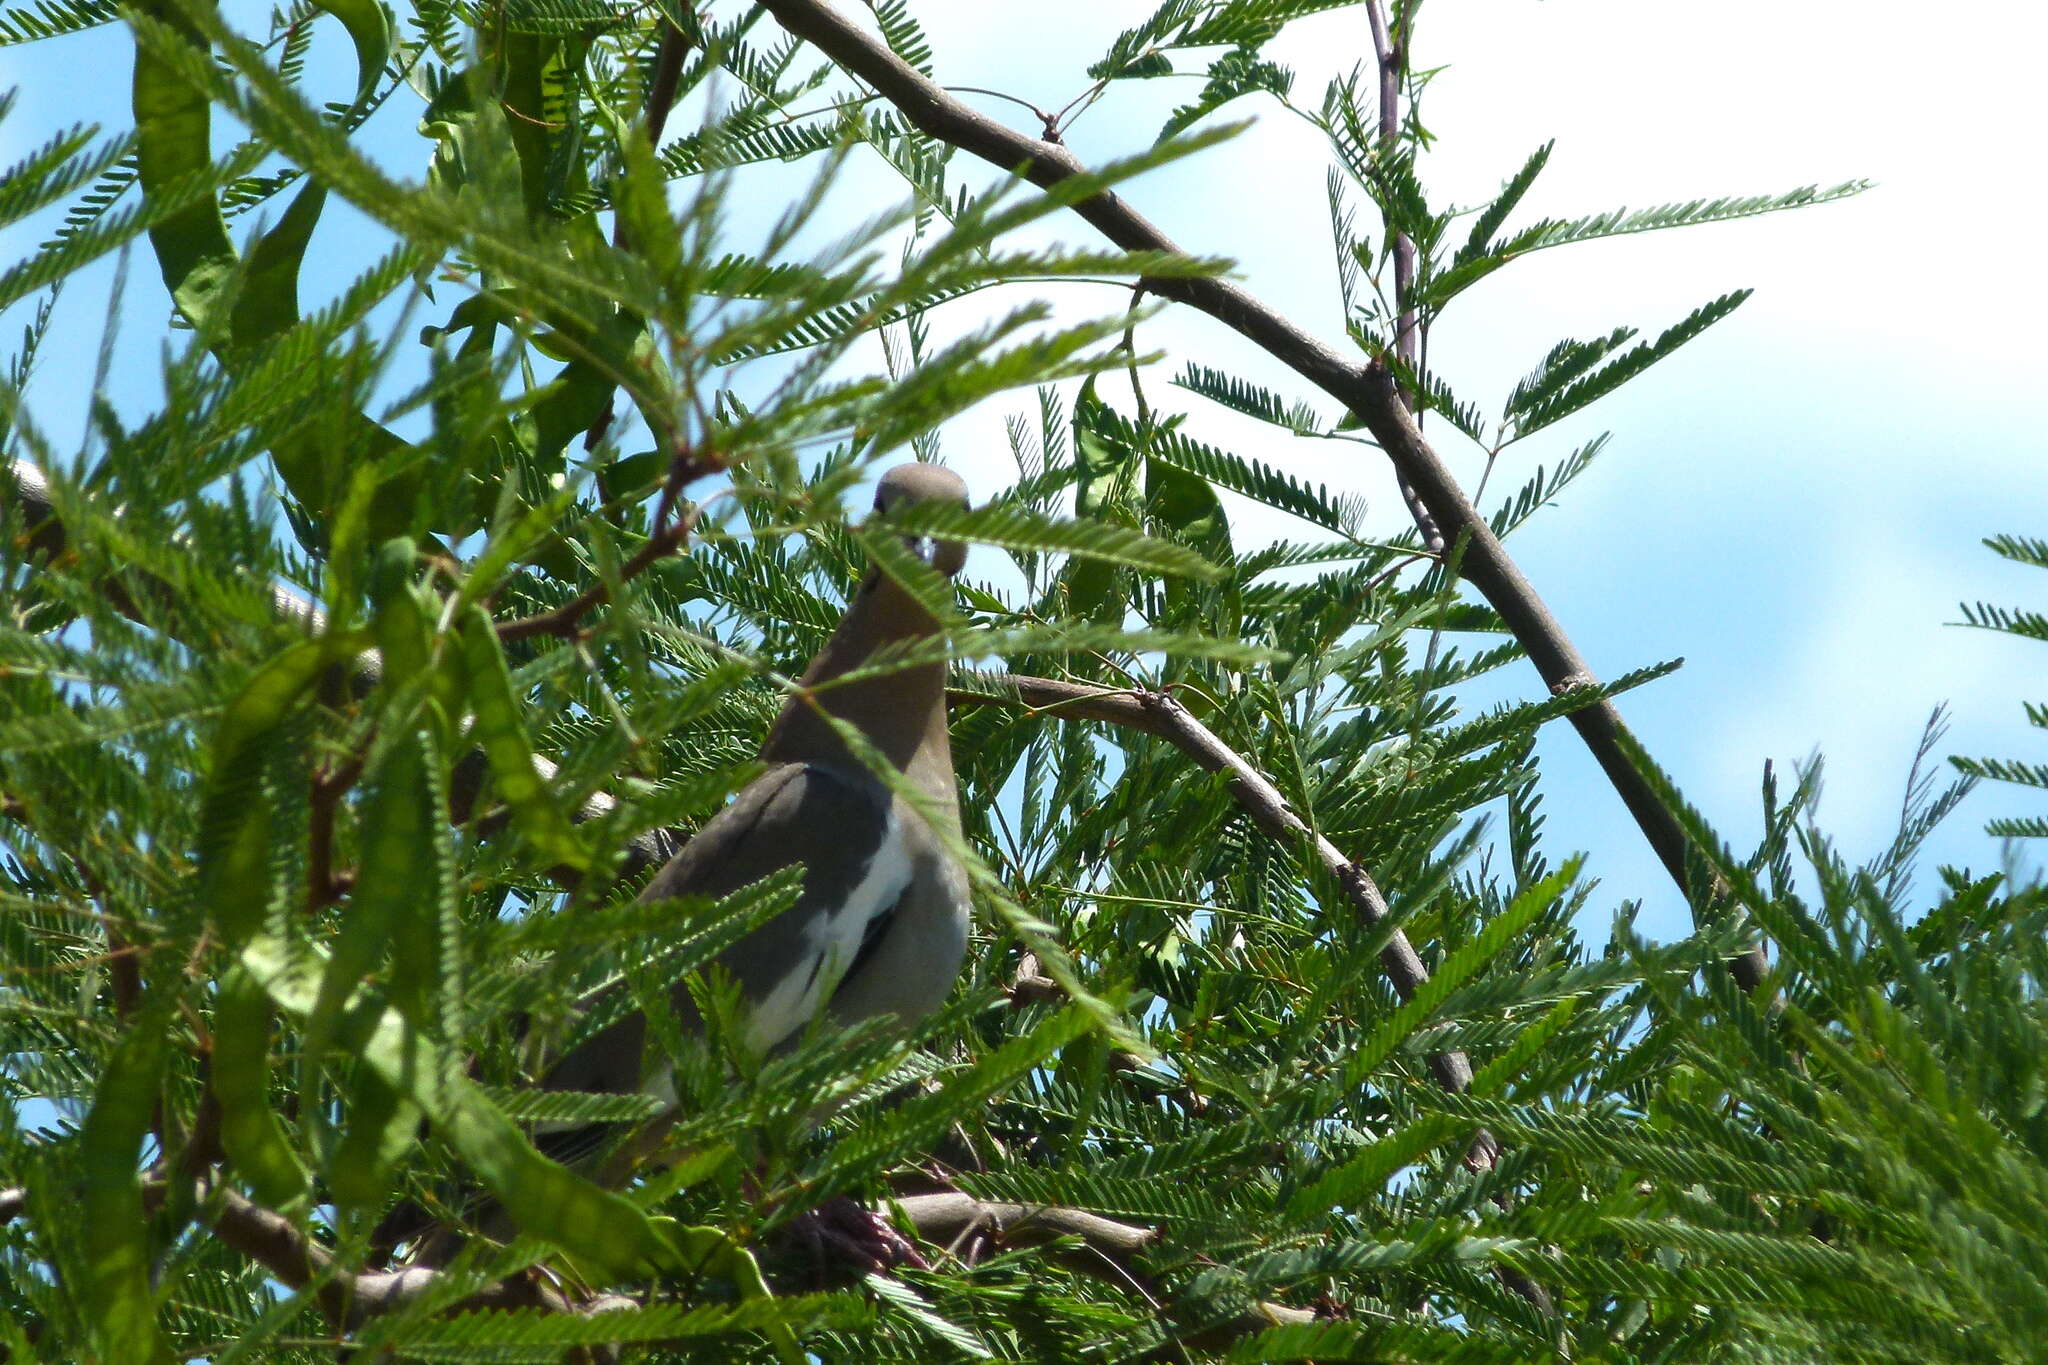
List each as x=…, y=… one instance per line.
x=882, y=917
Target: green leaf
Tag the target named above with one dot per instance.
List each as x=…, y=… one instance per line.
x=1252, y=400
x=1488, y=221
x=369, y=28
x=545, y=1336
x=378, y=1129
x=250, y=1131
x=1567, y=361
x=119, y=1301
x=710, y=1249
x=598, y=1228
x=1433, y=394
x=53, y=18
x=1690, y=213
x=1548, y=403
x=396, y=888
x=2020, y=549
x=1478, y=258
x=1461, y=966
x=173, y=132
x=900, y=30
x=904, y=1299
x=1014, y=527
x=1527, y=1047
x=513, y=540
x=1133, y=56
x=1233, y=75
x=923, y=1117
x=231, y=307
x=1187, y=504
x=1142, y=67
x=1543, y=487
x=1253, y=479
x=267, y=300
x=1367, y=1174
x=1108, y=467
x=235, y=818
x=44, y=176
x=502, y=733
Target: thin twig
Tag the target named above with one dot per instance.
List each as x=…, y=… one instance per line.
x=1131, y=358
x=1391, y=60
x=661, y=84
x=1051, y=121
x=1106, y=1247
x=665, y=541
x=324, y=885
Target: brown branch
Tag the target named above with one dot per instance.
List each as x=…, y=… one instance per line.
x=1030, y=986
x=324, y=884
x=123, y=973
x=271, y=1241
x=1368, y=390
x=124, y=968
x=348, y=1298
x=1106, y=1248
x=666, y=540
x=1157, y=713
x=950, y=1216
x=1391, y=59
x=661, y=85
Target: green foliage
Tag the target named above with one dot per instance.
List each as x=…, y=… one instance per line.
x=2027, y=625
x=1874, y=1202
x=296, y=905
x=51, y=18
x=1575, y=374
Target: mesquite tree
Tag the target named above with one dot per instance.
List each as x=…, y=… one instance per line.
x=349, y=694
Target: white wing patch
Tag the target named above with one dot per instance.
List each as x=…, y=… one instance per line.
x=801, y=991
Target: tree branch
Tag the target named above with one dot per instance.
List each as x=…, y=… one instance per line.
x=1368, y=390
x=947, y=1217
x=1391, y=60
x=1158, y=713
x=562, y=620
x=1106, y=1248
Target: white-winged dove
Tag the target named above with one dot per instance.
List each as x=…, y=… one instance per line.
x=883, y=910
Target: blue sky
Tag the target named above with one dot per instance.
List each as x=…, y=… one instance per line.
x=1794, y=503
